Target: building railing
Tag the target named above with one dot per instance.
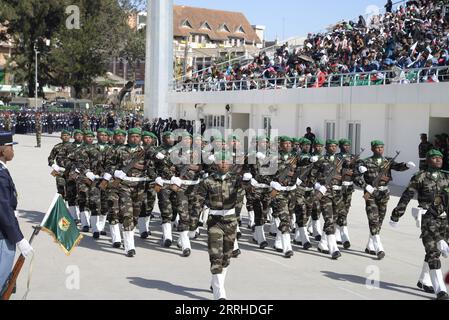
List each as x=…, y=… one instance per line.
x=375, y=78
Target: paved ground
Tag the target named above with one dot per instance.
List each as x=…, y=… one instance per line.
x=159, y=273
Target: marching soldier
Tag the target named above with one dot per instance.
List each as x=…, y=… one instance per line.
x=305, y=197
x=111, y=162
x=430, y=185
x=315, y=228
x=98, y=199
x=57, y=159
x=38, y=129
x=185, y=183
x=257, y=184
x=133, y=169
x=148, y=143
x=326, y=174
x=166, y=197
x=283, y=194
x=220, y=190
x=348, y=174
x=70, y=174
x=377, y=168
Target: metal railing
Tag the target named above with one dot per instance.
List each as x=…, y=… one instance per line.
x=375, y=78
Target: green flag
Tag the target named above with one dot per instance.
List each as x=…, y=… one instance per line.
x=60, y=225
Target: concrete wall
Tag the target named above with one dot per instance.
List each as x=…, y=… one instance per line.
x=396, y=114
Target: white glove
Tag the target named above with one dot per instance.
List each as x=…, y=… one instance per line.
x=91, y=176
x=160, y=156
x=443, y=247
x=247, y=176
x=298, y=182
x=56, y=167
x=177, y=181
x=24, y=247
x=260, y=156
x=119, y=174
x=211, y=158
x=276, y=185
x=322, y=189
x=205, y=175
x=61, y=169
x=411, y=165
x=107, y=177
x=369, y=188
x=16, y=213
x=363, y=169
x=159, y=181
x=417, y=213
x=314, y=159
x=394, y=224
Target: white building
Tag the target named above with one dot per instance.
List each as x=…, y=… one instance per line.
x=396, y=114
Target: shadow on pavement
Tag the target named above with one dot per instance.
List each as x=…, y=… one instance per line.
x=168, y=287
x=383, y=285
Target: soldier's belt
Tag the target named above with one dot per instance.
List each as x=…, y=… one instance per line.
x=287, y=188
x=135, y=179
x=166, y=181
x=348, y=183
x=222, y=213
x=385, y=188
x=190, y=182
x=256, y=184
x=308, y=189
x=337, y=188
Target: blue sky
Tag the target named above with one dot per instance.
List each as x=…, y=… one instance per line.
x=287, y=18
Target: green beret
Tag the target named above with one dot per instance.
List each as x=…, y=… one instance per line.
x=120, y=131
x=146, y=134
x=376, y=143
x=319, y=142
x=77, y=131
x=305, y=141
x=102, y=130
x=186, y=134
x=233, y=137
x=223, y=156
x=260, y=138
x=285, y=139
x=219, y=140
x=89, y=133
x=167, y=134
x=152, y=135
x=434, y=153
x=135, y=131
x=110, y=133
x=344, y=142
x=197, y=136
x=65, y=132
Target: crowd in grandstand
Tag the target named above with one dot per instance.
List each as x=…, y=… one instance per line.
x=414, y=36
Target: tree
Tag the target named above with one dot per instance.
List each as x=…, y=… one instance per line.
x=28, y=24
x=134, y=49
x=80, y=56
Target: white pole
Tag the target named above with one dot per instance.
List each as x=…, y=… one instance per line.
x=35, y=80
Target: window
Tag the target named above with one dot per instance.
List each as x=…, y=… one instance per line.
x=205, y=25
x=186, y=24
x=354, y=134
x=330, y=129
x=267, y=126
x=240, y=30
x=224, y=28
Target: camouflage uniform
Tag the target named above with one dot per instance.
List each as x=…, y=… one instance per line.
x=431, y=185
x=331, y=202
x=376, y=205
x=148, y=202
x=38, y=129
x=58, y=156
x=284, y=203
x=71, y=186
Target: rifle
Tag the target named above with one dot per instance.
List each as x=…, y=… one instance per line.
x=329, y=177
x=137, y=157
x=353, y=162
x=285, y=173
x=10, y=283
x=386, y=167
